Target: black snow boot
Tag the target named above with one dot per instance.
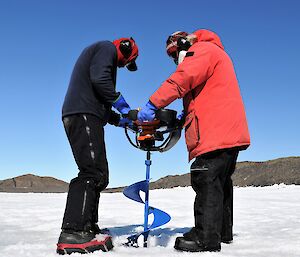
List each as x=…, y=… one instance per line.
x=83, y=242
x=95, y=228
x=190, y=243
x=226, y=236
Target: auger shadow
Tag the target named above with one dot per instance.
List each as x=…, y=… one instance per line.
x=162, y=235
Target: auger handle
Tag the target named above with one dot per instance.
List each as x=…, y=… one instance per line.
x=132, y=115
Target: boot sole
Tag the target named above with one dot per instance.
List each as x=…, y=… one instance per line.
x=184, y=249
x=180, y=246
x=227, y=241
x=105, y=246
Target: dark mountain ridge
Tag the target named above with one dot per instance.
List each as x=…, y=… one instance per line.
x=267, y=173
x=282, y=170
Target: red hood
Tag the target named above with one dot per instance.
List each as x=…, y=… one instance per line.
x=122, y=61
x=208, y=36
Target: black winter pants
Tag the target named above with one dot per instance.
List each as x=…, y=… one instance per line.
x=86, y=136
x=211, y=180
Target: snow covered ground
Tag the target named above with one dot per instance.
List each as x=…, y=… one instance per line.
x=267, y=223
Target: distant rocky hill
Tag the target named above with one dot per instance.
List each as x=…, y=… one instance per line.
x=31, y=183
x=282, y=170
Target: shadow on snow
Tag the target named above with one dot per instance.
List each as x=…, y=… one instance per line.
x=162, y=235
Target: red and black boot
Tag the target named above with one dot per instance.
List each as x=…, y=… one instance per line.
x=80, y=232
x=83, y=242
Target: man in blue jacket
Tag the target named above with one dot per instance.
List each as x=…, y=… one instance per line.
x=86, y=110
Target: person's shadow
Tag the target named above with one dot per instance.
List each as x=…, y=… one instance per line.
x=163, y=235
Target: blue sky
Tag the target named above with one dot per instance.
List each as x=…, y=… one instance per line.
x=41, y=40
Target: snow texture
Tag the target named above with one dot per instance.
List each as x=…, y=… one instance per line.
x=266, y=223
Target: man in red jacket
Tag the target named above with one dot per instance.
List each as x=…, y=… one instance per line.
x=215, y=131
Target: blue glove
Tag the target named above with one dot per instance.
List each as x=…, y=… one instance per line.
x=181, y=115
x=181, y=119
x=147, y=113
x=121, y=105
x=124, y=122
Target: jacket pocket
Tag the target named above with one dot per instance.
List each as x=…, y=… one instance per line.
x=192, y=133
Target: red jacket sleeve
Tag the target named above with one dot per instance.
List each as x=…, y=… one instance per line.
x=195, y=69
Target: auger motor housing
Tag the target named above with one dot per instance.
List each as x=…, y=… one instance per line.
x=148, y=133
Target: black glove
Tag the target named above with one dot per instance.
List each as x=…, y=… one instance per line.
x=114, y=118
x=183, y=44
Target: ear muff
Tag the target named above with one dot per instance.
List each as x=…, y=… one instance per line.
x=126, y=48
x=183, y=44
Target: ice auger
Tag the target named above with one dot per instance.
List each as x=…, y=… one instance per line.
x=165, y=130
